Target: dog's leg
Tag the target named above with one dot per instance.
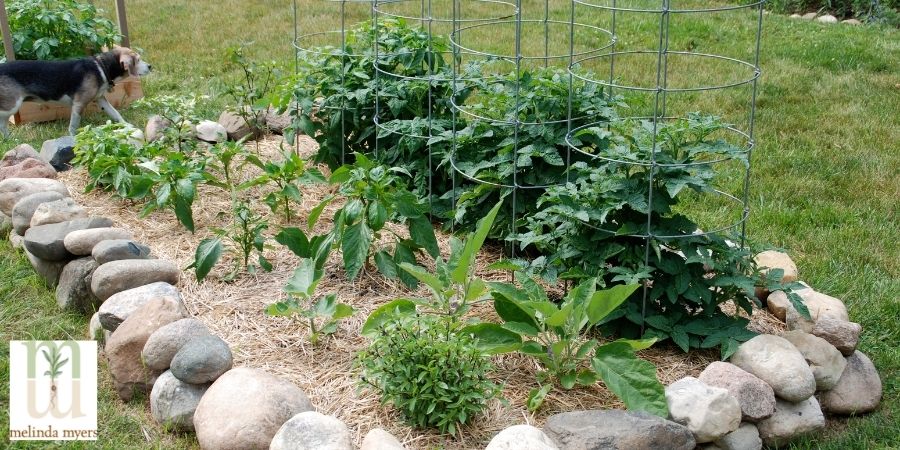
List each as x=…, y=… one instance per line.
x=6, y=114
x=110, y=111
x=4, y=125
x=75, y=119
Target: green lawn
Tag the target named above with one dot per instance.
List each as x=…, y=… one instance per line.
x=825, y=186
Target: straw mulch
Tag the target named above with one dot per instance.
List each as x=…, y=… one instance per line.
x=234, y=311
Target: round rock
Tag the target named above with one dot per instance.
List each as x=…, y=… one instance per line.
x=74, y=289
x=24, y=209
x=777, y=362
x=117, y=276
x=521, y=437
x=746, y=437
x=312, y=431
x=756, y=397
x=202, y=360
x=165, y=342
x=47, y=241
x=771, y=259
x=790, y=421
x=82, y=242
x=28, y=168
x=616, y=429
x=709, y=412
x=118, y=307
x=244, y=409
x=859, y=389
x=57, y=211
x=842, y=335
x=14, y=189
x=18, y=154
x=49, y=271
x=119, y=249
x=826, y=362
x=173, y=402
x=379, y=439
x=819, y=305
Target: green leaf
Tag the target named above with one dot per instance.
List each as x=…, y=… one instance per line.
x=633, y=380
x=473, y=245
x=513, y=311
x=385, y=313
x=355, y=247
x=304, y=280
x=377, y=216
x=522, y=329
x=422, y=233
x=386, y=265
x=317, y=211
x=403, y=254
x=433, y=283
x=295, y=240
x=493, y=339
x=536, y=397
x=560, y=317
x=206, y=256
x=184, y=213
x=342, y=310
x=567, y=380
x=606, y=301
x=799, y=305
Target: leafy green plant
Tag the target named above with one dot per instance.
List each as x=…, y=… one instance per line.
x=321, y=316
x=286, y=174
x=58, y=29
x=433, y=375
x=375, y=196
x=243, y=237
x=173, y=177
x=556, y=335
x=111, y=155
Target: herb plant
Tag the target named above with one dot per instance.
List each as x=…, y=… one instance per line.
x=285, y=174
x=244, y=236
x=58, y=29
x=434, y=376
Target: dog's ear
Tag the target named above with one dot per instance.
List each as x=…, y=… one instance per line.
x=126, y=60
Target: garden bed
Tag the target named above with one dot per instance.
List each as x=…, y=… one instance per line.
x=234, y=312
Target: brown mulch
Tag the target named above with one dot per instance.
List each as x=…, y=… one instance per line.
x=234, y=311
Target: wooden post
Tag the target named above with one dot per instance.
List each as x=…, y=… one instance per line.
x=7, y=34
x=123, y=22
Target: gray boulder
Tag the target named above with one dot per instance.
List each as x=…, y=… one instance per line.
x=82, y=242
x=18, y=155
x=756, y=397
x=379, y=439
x=165, y=342
x=521, y=437
x=96, y=331
x=841, y=334
x=49, y=271
x=173, y=402
x=59, y=153
x=155, y=127
x=818, y=304
x=777, y=362
x=120, y=306
x=16, y=241
x=62, y=210
x=74, y=289
x=771, y=259
x=119, y=249
x=858, y=391
x=746, y=437
x=826, y=362
x=14, y=189
x=210, y=131
x=46, y=241
x=236, y=127
x=245, y=408
x=790, y=421
x=312, y=431
x=202, y=360
x=602, y=429
x=709, y=412
x=117, y=276
x=24, y=209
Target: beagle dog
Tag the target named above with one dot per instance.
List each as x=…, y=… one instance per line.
x=74, y=82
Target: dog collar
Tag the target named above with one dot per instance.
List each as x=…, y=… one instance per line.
x=106, y=80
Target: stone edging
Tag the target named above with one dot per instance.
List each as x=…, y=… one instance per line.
x=774, y=389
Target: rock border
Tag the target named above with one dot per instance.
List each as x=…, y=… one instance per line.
x=775, y=388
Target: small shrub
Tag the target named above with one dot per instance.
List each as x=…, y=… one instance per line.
x=58, y=29
x=434, y=376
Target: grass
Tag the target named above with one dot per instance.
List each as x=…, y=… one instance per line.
x=826, y=173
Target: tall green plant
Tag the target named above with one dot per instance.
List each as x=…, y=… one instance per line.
x=286, y=174
x=58, y=29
